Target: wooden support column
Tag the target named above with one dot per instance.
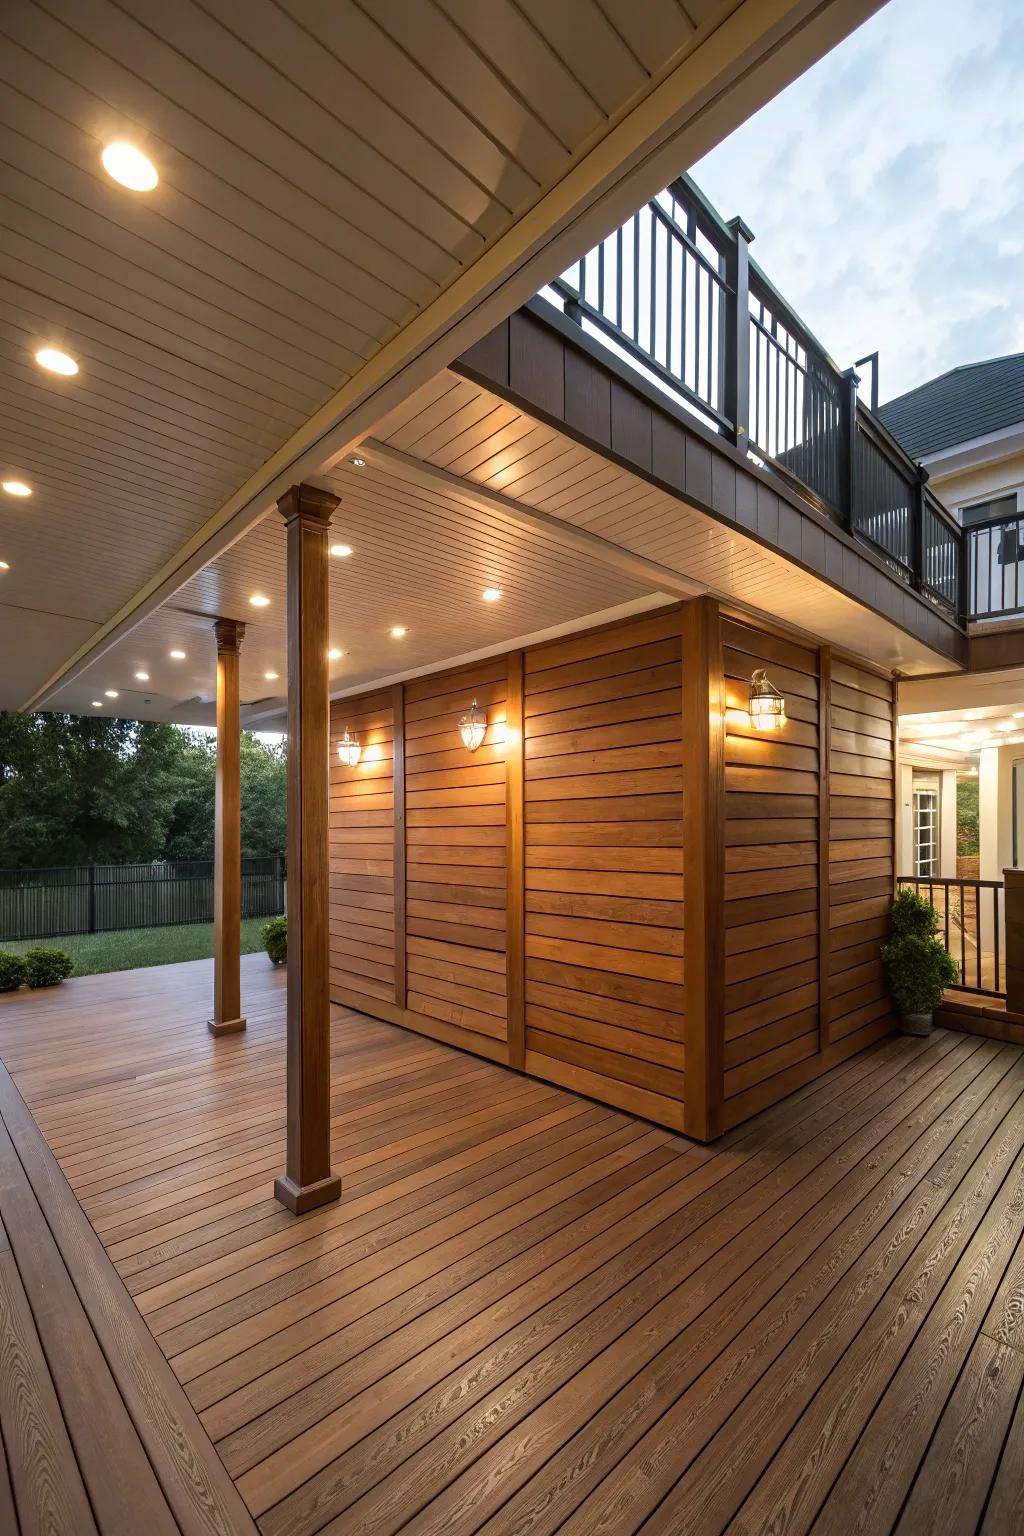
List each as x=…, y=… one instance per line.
x=308, y=1180
x=704, y=868
x=227, y=838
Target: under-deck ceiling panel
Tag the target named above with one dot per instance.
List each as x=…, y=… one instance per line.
x=326, y=169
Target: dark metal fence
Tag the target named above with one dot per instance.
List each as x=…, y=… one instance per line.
x=996, y=550
x=102, y=898
x=971, y=922
x=674, y=291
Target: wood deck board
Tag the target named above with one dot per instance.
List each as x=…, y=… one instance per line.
x=528, y=1312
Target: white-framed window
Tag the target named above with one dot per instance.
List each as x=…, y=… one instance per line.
x=926, y=833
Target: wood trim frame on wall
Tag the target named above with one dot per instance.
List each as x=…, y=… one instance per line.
x=398, y=787
x=703, y=867
x=824, y=840
x=515, y=854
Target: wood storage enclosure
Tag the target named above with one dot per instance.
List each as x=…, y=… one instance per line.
x=628, y=888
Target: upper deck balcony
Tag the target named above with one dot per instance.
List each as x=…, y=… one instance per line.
x=675, y=294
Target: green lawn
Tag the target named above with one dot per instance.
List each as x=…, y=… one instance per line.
x=95, y=952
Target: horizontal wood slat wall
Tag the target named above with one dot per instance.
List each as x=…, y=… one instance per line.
x=861, y=849
x=539, y=882
x=604, y=865
x=362, y=847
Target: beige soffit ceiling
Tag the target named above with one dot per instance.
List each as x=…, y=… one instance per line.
x=350, y=194
x=421, y=558
x=462, y=491
x=453, y=435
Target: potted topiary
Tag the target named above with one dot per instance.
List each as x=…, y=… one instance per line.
x=275, y=940
x=47, y=967
x=918, y=966
x=12, y=972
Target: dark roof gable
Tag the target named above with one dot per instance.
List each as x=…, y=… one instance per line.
x=965, y=403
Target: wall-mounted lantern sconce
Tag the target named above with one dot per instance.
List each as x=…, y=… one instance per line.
x=767, y=706
x=349, y=749
x=473, y=727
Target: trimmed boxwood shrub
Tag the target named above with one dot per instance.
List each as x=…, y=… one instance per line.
x=46, y=967
x=275, y=939
x=918, y=966
x=12, y=972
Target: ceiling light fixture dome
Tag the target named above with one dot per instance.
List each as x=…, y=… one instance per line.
x=56, y=361
x=17, y=488
x=129, y=166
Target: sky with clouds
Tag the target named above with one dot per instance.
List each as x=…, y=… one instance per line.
x=885, y=189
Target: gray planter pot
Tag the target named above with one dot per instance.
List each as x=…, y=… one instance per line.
x=916, y=1023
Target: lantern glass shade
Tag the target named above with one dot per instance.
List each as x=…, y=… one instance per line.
x=349, y=749
x=767, y=706
x=473, y=727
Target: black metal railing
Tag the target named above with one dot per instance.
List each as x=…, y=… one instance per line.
x=971, y=921
x=675, y=292
x=995, y=553
x=102, y=898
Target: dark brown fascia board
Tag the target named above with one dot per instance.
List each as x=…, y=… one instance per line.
x=937, y=631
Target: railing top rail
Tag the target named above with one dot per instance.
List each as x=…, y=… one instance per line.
x=957, y=880
x=985, y=525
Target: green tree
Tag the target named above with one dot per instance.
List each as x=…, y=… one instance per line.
x=81, y=790
x=87, y=790
x=262, y=775
x=967, y=816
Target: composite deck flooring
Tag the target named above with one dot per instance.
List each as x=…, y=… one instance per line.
x=530, y=1313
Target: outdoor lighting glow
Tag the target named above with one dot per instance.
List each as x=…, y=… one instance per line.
x=334, y=654
x=349, y=749
x=473, y=727
x=56, y=361
x=258, y=600
x=142, y=677
x=17, y=488
x=359, y=463
x=97, y=703
x=4, y=566
x=491, y=594
x=110, y=693
x=177, y=655
x=271, y=677
x=130, y=167
x=767, y=706
x=341, y=551
x=1006, y=725
x=398, y=631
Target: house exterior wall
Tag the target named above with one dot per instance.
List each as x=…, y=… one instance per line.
x=964, y=486
x=527, y=901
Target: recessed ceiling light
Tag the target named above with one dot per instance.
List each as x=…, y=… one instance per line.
x=97, y=703
x=334, y=654
x=259, y=600
x=398, y=631
x=271, y=677
x=55, y=361
x=110, y=693
x=4, y=566
x=359, y=463
x=177, y=655
x=491, y=594
x=130, y=167
x=142, y=677
x=341, y=551
x=17, y=488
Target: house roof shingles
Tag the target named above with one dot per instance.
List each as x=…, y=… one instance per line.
x=966, y=403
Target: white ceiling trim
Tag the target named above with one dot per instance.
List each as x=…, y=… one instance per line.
x=699, y=96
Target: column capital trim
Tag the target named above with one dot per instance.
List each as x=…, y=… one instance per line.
x=310, y=503
x=229, y=633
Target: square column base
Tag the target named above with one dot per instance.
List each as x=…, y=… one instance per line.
x=306, y=1197
x=225, y=1026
